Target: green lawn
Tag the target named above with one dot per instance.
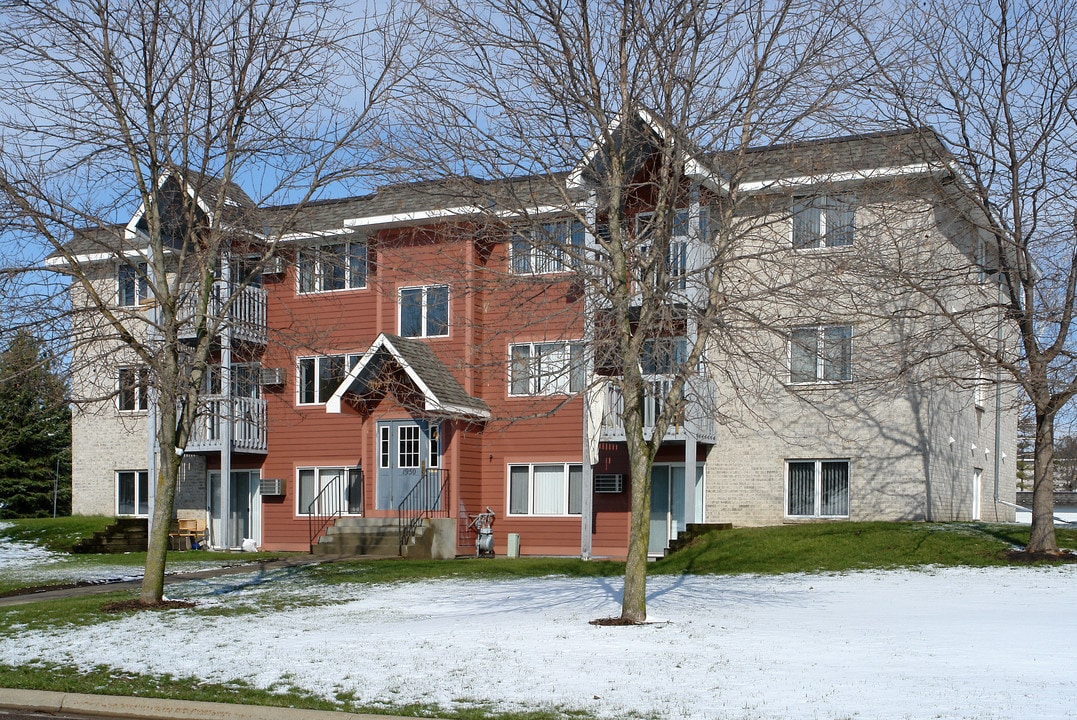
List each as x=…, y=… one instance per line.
x=832, y=547
x=56, y=534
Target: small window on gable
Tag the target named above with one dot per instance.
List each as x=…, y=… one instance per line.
x=824, y=221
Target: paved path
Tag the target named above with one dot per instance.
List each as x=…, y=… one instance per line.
x=137, y=708
x=107, y=587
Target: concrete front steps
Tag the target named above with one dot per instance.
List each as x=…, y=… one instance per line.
x=373, y=537
x=692, y=531
x=380, y=538
x=124, y=535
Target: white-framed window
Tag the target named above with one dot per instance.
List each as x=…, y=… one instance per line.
x=817, y=488
x=319, y=377
x=545, y=489
x=133, y=389
x=823, y=221
x=978, y=387
x=664, y=355
x=133, y=492
x=424, y=311
x=547, y=247
x=246, y=380
x=435, y=445
x=131, y=284
x=677, y=252
x=340, y=265
x=821, y=354
x=546, y=368
x=407, y=446
x=328, y=490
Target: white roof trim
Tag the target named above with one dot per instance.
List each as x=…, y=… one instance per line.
x=410, y=217
x=315, y=235
x=333, y=405
x=92, y=258
x=351, y=224
x=923, y=168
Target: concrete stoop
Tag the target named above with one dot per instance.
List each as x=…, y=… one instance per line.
x=372, y=537
x=380, y=538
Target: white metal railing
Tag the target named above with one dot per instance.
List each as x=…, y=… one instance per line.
x=655, y=392
x=248, y=424
x=246, y=313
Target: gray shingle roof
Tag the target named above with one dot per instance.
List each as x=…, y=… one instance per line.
x=808, y=158
x=446, y=392
x=892, y=148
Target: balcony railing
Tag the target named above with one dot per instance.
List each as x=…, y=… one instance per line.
x=248, y=418
x=246, y=313
x=692, y=419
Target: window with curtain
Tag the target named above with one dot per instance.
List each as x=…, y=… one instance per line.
x=546, y=368
x=332, y=266
x=817, y=488
x=825, y=221
x=319, y=377
x=424, y=311
x=132, y=286
x=821, y=354
x=547, y=247
x=545, y=489
x=133, y=492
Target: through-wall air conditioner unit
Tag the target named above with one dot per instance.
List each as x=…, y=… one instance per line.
x=273, y=266
x=609, y=483
x=272, y=376
x=271, y=486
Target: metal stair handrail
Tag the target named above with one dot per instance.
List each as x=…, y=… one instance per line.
x=335, y=506
x=422, y=502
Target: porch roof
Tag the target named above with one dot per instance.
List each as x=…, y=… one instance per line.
x=444, y=395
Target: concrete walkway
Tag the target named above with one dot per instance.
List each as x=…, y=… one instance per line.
x=137, y=708
x=107, y=587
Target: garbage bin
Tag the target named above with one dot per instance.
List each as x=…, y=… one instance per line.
x=514, y=545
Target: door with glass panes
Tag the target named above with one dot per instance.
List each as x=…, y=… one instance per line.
x=405, y=449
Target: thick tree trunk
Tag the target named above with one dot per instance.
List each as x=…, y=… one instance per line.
x=1042, y=536
x=634, y=601
x=153, y=581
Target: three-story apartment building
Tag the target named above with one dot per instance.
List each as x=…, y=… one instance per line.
x=429, y=351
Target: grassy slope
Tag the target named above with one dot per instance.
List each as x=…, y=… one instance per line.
x=847, y=546
x=56, y=534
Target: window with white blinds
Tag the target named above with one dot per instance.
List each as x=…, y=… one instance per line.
x=817, y=488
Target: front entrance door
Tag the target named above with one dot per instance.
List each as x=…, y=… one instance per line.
x=668, y=511
x=403, y=452
x=243, y=520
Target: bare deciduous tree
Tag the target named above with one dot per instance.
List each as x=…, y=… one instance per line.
x=168, y=108
x=998, y=79
x=616, y=111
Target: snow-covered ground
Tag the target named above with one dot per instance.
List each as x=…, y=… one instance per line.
x=932, y=643
x=27, y=564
